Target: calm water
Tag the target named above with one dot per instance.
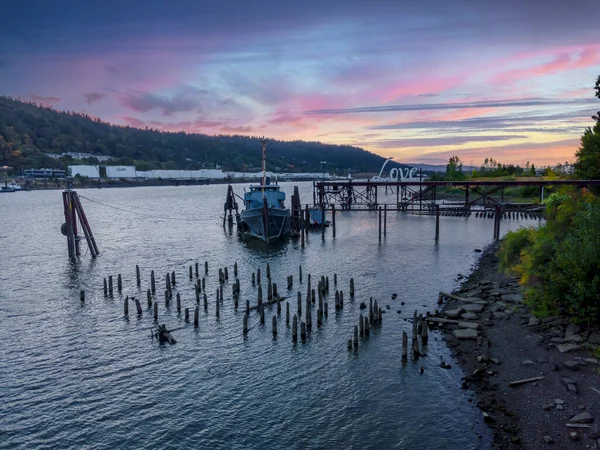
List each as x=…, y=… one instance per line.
x=82, y=375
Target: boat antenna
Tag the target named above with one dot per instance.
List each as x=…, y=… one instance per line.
x=264, y=164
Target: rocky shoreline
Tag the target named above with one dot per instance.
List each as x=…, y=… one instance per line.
x=536, y=381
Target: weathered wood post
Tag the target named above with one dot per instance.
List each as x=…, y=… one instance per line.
x=196, y=315
x=325, y=309
x=260, y=296
x=295, y=328
x=380, y=224
x=168, y=282
x=173, y=281
x=197, y=290
x=247, y=307
x=404, y=345
x=253, y=279
x=197, y=271
x=203, y=283
x=221, y=297
x=351, y=287
x=274, y=326
x=138, y=307
x=258, y=275
x=137, y=275
x=308, y=315
x=178, y=302
x=152, y=282
x=385, y=219
x=278, y=306
x=205, y=302
x=191, y=273
x=226, y=274
x=245, y=329
x=362, y=325
x=156, y=312
x=262, y=314
x=303, y=331
x=268, y=271
x=299, y=303
x=205, y=270
x=82, y=296
x=322, y=221
x=149, y=298
x=333, y=218
x=425, y=333
x=300, y=274
x=235, y=269
x=187, y=315
x=270, y=290
x=366, y=323
x=341, y=299
x=327, y=285
x=167, y=297
x=275, y=294
x=350, y=344
x=217, y=303
x=119, y=283
x=110, y=285
x=105, y=288
x=437, y=221
x=287, y=313
x=126, y=306
x=355, y=336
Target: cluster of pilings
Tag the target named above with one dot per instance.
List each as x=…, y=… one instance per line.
x=419, y=329
x=366, y=323
x=301, y=323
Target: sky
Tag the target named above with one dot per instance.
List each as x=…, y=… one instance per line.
x=419, y=81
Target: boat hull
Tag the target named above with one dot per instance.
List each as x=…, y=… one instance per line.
x=251, y=222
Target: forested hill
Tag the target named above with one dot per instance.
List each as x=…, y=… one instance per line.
x=28, y=133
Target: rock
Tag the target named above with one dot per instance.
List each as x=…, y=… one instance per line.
x=547, y=406
x=394, y=295
x=453, y=313
x=572, y=365
x=558, y=401
x=468, y=316
x=472, y=307
x=567, y=380
x=592, y=361
x=574, y=436
x=527, y=362
x=534, y=321
x=495, y=360
x=466, y=333
x=444, y=365
x=571, y=330
x=584, y=417
x=387, y=306
x=399, y=312
x=572, y=388
x=566, y=348
x=512, y=298
x=560, y=407
x=575, y=338
x=472, y=325
x=478, y=250
x=594, y=338
x=548, y=440
x=487, y=418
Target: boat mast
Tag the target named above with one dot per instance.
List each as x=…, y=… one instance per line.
x=264, y=164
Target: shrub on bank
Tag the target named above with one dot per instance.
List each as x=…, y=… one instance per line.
x=559, y=262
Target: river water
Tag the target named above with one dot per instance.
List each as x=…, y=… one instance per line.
x=83, y=375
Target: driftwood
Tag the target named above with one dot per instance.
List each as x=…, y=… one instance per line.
x=453, y=297
x=523, y=381
x=164, y=335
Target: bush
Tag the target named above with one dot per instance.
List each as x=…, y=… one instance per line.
x=560, y=261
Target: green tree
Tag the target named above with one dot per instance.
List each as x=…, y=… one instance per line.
x=587, y=165
x=454, y=169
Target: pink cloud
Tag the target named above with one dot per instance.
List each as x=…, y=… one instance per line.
x=133, y=122
x=92, y=97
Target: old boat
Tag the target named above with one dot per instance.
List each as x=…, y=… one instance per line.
x=264, y=215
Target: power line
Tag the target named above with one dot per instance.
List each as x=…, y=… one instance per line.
x=138, y=213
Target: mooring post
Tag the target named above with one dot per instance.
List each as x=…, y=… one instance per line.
x=173, y=281
x=110, y=285
x=156, y=312
x=287, y=313
x=82, y=296
x=196, y=315
x=404, y=345
x=355, y=336
x=268, y=271
x=191, y=273
x=425, y=333
x=333, y=218
x=152, y=282
x=299, y=303
x=385, y=219
x=138, y=307
x=245, y=329
x=351, y=287
x=437, y=221
x=197, y=272
x=303, y=331
x=137, y=275
x=149, y=298
x=119, y=283
x=205, y=302
x=322, y=221
x=262, y=314
x=258, y=276
x=187, y=315
x=105, y=288
x=300, y=273
x=168, y=282
x=247, y=306
x=366, y=322
x=178, y=302
x=235, y=269
x=126, y=306
x=274, y=326
x=205, y=268
x=362, y=325
x=380, y=224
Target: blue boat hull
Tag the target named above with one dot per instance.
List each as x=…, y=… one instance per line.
x=251, y=223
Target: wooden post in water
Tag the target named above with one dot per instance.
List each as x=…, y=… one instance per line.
x=308, y=315
x=247, y=307
x=299, y=303
x=173, y=281
x=110, y=285
x=167, y=297
x=268, y=271
x=235, y=269
x=333, y=218
x=325, y=309
x=366, y=322
x=149, y=298
x=205, y=269
x=303, y=331
x=258, y=276
x=253, y=279
x=191, y=273
x=152, y=282
x=322, y=221
x=217, y=308
x=197, y=271
x=119, y=283
x=105, y=288
x=245, y=329
x=205, y=302
x=362, y=325
x=156, y=312
x=437, y=221
x=385, y=220
x=196, y=315
x=404, y=345
x=300, y=273
x=126, y=306
x=187, y=315
x=355, y=336
x=178, y=302
x=82, y=296
x=137, y=275
x=226, y=272
x=425, y=333
x=138, y=307
x=274, y=326
x=295, y=328
x=351, y=287
x=197, y=290
x=262, y=314
x=380, y=224
x=168, y=282
x=287, y=313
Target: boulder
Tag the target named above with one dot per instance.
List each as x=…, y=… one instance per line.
x=534, y=321
x=453, y=313
x=469, y=316
x=584, y=417
x=573, y=365
x=566, y=348
x=473, y=307
x=512, y=298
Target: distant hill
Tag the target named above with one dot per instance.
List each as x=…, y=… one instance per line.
x=30, y=134
x=437, y=167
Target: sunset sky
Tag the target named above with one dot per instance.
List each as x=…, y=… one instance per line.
x=416, y=80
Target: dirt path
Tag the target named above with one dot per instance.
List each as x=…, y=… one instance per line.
x=560, y=410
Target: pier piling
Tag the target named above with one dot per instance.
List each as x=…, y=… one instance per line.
x=138, y=279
